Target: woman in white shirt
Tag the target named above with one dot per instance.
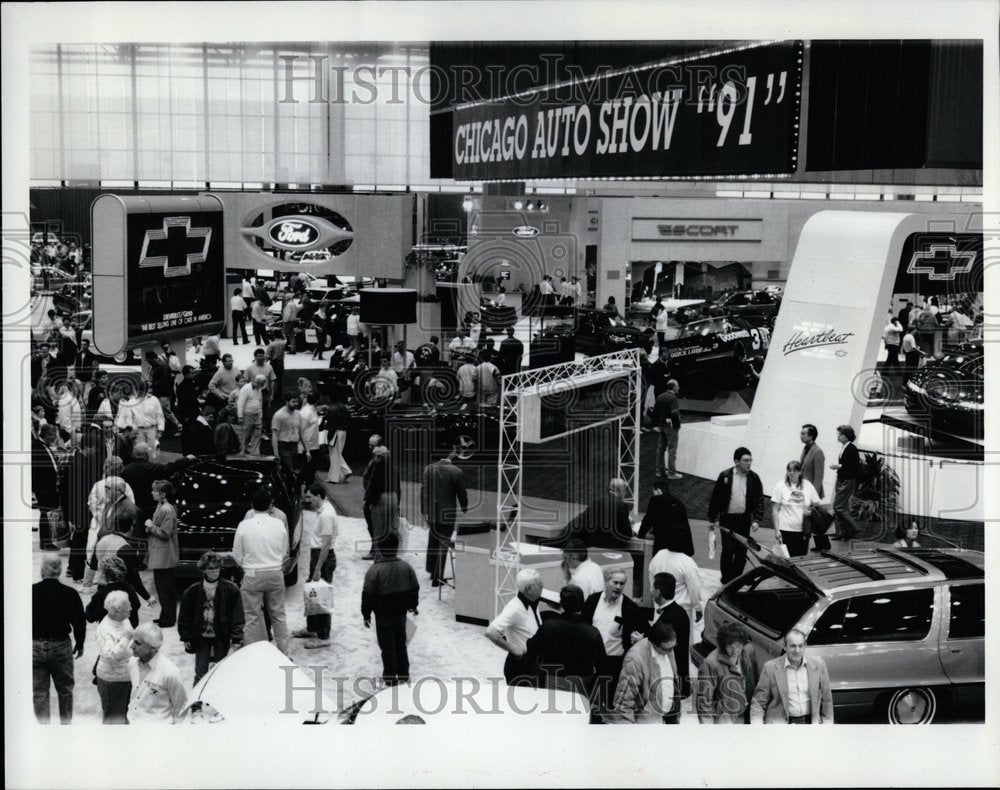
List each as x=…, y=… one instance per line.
x=114, y=643
x=790, y=502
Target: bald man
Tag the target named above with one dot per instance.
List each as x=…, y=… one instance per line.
x=56, y=609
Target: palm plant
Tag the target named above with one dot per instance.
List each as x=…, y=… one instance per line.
x=876, y=495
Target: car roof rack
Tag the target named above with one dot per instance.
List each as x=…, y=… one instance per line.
x=870, y=572
x=901, y=557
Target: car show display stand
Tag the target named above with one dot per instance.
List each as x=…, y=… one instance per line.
x=723, y=403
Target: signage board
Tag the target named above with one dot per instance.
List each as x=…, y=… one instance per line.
x=936, y=263
x=732, y=112
x=697, y=230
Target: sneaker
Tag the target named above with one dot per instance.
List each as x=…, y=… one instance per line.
x=675, y=476
x=303, y=633
x=313, y=644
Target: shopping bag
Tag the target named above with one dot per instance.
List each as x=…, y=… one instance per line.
x=318, y=597
x=781, y=549
x=411, y=629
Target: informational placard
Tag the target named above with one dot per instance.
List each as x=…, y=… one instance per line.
x=159, y=271
x=733, y=112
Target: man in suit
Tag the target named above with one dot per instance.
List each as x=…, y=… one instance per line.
x=567, y=650
x=98, y=392
x=667, y=517
x=373, y=481
x=649, y=690
x=813, y=463
x=199, y=438
x=617, y=617
x=667, y=610
x=139, y=475
x=511, y=353
x=44, y=483
x=606, y=521
x=442, y=492
x=848, y=469
x=793, y=688
x=737, y=504
x=728, y=678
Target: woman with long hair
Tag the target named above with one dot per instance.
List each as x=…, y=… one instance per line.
x=335, y=424
x=790, y=502
x=163, y=553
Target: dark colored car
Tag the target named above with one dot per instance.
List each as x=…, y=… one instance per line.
x=598, y=332
x=497, y=319
x=949, y=391
x=722, y=353
x=213, y=496
x=902, y=631
x=758, y=307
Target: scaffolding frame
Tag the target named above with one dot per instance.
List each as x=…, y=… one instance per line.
x=510, y=453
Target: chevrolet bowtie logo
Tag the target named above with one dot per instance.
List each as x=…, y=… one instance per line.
x=951, y=263
x=175, y=247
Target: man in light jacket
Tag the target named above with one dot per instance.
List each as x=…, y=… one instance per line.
x=793, y=688
x=649, y=690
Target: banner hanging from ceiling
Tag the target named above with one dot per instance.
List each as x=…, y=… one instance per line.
x=734, y=112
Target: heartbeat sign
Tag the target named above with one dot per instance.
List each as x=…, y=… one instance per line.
x=947, y=267
x=175, y=247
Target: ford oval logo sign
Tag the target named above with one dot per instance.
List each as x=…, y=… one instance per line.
x=293, y=233
x=525, y=232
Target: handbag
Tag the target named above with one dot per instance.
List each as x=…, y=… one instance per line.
x=318, y=597
x=820, y=519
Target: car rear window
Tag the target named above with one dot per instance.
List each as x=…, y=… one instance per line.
x=772, y=601
x=968, y=611
x=895, y=616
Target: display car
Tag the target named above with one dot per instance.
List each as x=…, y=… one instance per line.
x=214, y=495
x=949, y=391
x=758, y=307
x=722, y=353
x=901, y=630
x=598, y=332
x=644, y=307
x=496, y=318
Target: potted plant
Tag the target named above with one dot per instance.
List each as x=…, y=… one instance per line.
x=876, y=494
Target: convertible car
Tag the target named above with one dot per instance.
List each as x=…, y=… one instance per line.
x=949, y=391
x=722, y=353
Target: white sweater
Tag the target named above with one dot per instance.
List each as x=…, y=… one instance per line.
x=114, y=642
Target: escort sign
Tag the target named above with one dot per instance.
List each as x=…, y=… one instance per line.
x=158, y=269
x=697, y=229
x=734, y=112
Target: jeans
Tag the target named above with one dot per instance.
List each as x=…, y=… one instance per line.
x=319, y=624
x=734, y=555
x=52, y=658
x=666, y=445
x=259, y=333
x=163, y=579
x=390, y=630
x=847, y=527
x=206, y=651
x=262, y=588
x=288, y=455
x=239, y=322
x=114, y=700
x=252, y=430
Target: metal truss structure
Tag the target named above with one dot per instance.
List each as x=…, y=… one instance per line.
x=511, y=449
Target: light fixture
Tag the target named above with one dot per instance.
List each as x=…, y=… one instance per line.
x=467, y=204
x=518, y=205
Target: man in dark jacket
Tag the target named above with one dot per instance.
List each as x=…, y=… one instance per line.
x=617, y=617
x=667, y=610
x=667, y=517
x=738, y=505
x=567, y=650
x=199, y=438
x=605, y=522
x=390, y=590
x=848, y=470
x=441, y=494
x=511, y=352
x=56, y=611
x=211, y=617
x=140, y=474
x=45, y=484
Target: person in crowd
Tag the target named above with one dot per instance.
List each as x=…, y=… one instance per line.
x=69, y=411
x=461, y=346
x=209, y=349
x=567, y=650
x=510, y=354
x=56, y=610
x=959, y=324
x=145, y=415
x=336, y=423
x=83, y=468
x=649, y=691
x=250, y=413
x=85, y=365
x=290, y=321
x=114, y=645
x=115, y=574
x=98, y=392
x=911, y=351
x=97, y=501
x=386, y=382
x=318, y=321
x=286, y=433
x=667, y=610
x=223, y=383
x=238, y=313
x=580, y=569
x=546, y=287
x=476, y=330
x=687, y=579
x=389, y=591
x=322, y=563
x=892, y=336
x=517, y=622
x=906, y=536
x=260, y=548
x=662, y=323
x=161, y=387
x=199, y=439
x=117, y=443
x=793, y=688
x=488, y=381
x=666, y=516
x=927, y=326
x=564, y=291
x=310, y=437
x=441, y=494
x=158, y=693
x=611, y=307
x=45, y=471
x=274, y=353
x=728, y=677
x=737, y=504
x=258, y=319
x=354, y=328
x=617, y=617
x=606, y=521
x=163, y=551
x=904, y=315
x=261, y=367
x=429, y=353
x=376, y=480
x=666, y=419
x=403, y=363
x=385, y=509
x=467, y=380
x=211, y=615
x=791, y=501
x=848, y=468
x=813, y=463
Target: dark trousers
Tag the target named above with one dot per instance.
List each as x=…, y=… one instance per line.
x=734, y=555
x=800, y=719
x=520, y=670
x=259, y=335
x=438, y=541
x=319, y=624
x=239, y=322
x=390, y=629
x=288, y=455
x=891, y=358
x=608, y=672
x=52, y=662
x=309, y=467
x=163, y=579
x=279, y=379
x=847, y=527
x=320, y=344
x=114, y=700
x=77, y=551
x=797, y=543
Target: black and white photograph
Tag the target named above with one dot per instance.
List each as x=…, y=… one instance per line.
x=525, y=371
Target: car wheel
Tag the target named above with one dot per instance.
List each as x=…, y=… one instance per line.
x=911, y=706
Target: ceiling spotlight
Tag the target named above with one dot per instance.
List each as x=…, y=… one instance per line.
x=531, y=206
x=467, y=204
x=518, y=205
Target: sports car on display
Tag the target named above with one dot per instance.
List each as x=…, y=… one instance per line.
x=598, y=332
x=949, y=392
x=722, y=353
x=758, y=307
